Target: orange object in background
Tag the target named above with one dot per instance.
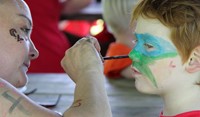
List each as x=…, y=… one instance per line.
x=112, y=68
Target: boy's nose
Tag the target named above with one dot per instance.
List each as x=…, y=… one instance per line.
x=134, y=56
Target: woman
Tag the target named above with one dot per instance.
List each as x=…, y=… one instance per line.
x=17, y=51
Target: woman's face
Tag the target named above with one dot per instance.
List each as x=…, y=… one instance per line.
x=16, y=47
x=156, y=61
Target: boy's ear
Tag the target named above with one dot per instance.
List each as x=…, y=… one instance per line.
x=193, y=64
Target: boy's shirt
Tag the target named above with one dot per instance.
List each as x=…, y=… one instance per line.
x=186, y=114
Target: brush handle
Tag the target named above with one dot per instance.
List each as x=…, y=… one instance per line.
x=115, y=57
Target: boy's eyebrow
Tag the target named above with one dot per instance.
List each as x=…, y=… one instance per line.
x=24, y=16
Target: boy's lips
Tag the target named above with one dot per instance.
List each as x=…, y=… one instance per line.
x=135, y=71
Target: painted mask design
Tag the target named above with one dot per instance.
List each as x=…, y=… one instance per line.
x=147, y=50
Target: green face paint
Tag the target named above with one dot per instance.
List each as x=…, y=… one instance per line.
x=147, y=50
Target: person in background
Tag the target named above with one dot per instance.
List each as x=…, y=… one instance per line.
x=48, y=39
x=17, y=51
x=166, y=55
x=116, y=14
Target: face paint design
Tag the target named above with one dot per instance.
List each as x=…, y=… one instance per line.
x=147, y=50
x=14, y=33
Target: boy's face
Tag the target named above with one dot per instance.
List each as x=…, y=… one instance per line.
x=155, y=58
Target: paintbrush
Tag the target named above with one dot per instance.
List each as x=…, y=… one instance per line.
x=115, y=57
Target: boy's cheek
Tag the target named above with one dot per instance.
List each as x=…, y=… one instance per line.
x=160, y=68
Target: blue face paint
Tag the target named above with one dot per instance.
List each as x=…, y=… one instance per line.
x=148, y=49
x=153, y=46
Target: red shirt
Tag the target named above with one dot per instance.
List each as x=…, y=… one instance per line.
x=186, y=114
x=46, y=36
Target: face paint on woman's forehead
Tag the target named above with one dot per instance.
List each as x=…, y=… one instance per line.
x=142, y=55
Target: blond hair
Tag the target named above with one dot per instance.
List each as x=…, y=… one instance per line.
x=117, y=14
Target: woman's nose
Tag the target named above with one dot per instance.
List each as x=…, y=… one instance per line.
x=33, y=52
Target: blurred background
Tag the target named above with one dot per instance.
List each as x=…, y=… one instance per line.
x=88, y=21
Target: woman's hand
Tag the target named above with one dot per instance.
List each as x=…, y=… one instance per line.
x=82, y=58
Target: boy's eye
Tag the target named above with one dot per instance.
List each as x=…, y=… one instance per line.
x=149, y=47
x=134, y=41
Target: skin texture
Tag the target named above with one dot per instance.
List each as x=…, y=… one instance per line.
x=17, y=51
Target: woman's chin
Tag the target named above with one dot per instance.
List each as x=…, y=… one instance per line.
x=22, y=89
x=22, y=79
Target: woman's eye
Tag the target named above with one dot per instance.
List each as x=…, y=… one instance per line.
x=26, y=30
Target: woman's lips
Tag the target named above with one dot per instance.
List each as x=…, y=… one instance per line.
x=27, y=64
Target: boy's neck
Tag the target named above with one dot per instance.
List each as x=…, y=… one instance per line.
x=181, y=101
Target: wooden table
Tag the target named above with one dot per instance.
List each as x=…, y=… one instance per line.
x=125, y=100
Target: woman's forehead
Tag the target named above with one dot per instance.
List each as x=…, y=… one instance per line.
x=10, y=8
x=13, y=5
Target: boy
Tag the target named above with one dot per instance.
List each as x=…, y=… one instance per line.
x=166, y=56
